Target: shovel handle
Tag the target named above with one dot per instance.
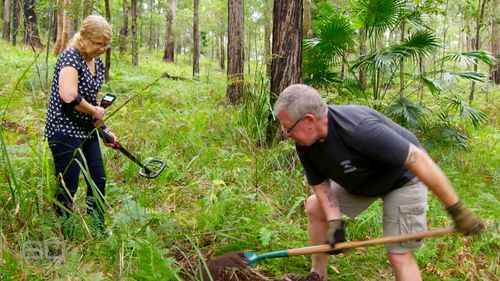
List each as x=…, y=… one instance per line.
x=375, y=241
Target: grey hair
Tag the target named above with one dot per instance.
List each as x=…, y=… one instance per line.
x=93, y=27
x=298, y=100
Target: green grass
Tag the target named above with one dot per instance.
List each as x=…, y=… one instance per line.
x=220, y=191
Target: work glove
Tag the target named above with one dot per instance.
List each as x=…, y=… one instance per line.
x=336, y=234
x=465, y=221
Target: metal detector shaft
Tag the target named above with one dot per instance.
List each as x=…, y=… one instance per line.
x=131, y=157
x=117, y=145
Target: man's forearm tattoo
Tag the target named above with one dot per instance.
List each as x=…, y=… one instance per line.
x=332, y=201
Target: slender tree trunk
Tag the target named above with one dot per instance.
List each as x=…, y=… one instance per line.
x=222, y=56
x=286, y=65
x=135, y=47
x=107, y=65
x=168, y=55
x=477, y=41
x=6, y=20
x=63, y=27
x=421, y=64
x=196, y=39
x=31, y=34
x=495, y=49
x=235, y=51
x=16, y=15
x=150, y=38
x=124, y=29
x=362, y=53
x=401, y=65
x=307, y=26
x=249, y=50
x=267, y=36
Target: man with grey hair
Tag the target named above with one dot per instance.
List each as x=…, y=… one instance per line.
x=353, y=155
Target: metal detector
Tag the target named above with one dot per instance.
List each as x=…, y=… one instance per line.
x=151, y=169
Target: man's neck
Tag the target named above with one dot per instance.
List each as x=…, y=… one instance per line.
x=323, y=128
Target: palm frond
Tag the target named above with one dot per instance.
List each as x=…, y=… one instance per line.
x=334, y=36
x=406, y=112
x=455, y=136
x=379, y=14
x=410, y=13
x=384, y=59
x=469, y=58
x=351, y=86
x=449, y=76
x=420, y=44
x=467, y=112
x=433, y=85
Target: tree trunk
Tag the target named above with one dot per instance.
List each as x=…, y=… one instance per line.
x=401, y=65
x=168, y=55
x=286, y=65
x=247, y=55
x=107, y=64
x=222, y=58
x=150, y=37
x=477, y=41
x=31, y=34
x=16, y=15
x=362, y=53
x=196, y=39
x=135, y=47
x=495, y=50
x=267, y=37
x=124, y=29
x=421, y=64
x=63, y=26
x=6, y=20
x=235, y=53
x=307, y=26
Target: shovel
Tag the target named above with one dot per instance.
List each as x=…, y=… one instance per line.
x=248, y=259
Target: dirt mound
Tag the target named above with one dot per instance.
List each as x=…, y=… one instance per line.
x=234, y=267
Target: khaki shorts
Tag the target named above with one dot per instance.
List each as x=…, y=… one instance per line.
x=405, y=211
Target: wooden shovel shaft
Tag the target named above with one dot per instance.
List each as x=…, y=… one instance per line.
x=376, y=241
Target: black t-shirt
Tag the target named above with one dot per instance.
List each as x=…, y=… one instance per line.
x=73, y=124
x=364, y=152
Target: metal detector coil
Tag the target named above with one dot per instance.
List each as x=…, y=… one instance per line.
x=152, y=168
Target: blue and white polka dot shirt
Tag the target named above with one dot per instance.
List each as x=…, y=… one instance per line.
x=88, y=86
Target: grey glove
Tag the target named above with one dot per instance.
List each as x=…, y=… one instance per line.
x=465, y=221
x=336, y=234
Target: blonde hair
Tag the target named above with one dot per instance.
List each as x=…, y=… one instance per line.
x=93, y=27
x=298, y=100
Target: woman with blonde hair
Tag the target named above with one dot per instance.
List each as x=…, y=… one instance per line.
x=72, y=108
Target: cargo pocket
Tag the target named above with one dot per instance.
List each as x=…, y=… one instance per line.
x=412, y=219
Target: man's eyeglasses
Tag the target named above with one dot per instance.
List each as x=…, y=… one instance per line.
x=100, y=44
x=289, y=130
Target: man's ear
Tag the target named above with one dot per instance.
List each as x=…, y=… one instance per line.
x=310, y=117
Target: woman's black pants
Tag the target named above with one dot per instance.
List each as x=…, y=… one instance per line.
x=68, y=152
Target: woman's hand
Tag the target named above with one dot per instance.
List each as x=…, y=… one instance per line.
x=108, y=131
x=98, y=112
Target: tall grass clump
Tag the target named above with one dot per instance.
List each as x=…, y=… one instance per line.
x=255, y=109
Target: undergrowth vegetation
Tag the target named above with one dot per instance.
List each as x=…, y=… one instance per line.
x=222, y=190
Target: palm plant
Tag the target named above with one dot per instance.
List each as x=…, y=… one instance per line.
x=334, y=37
x=445, y=122
x=384, y=64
